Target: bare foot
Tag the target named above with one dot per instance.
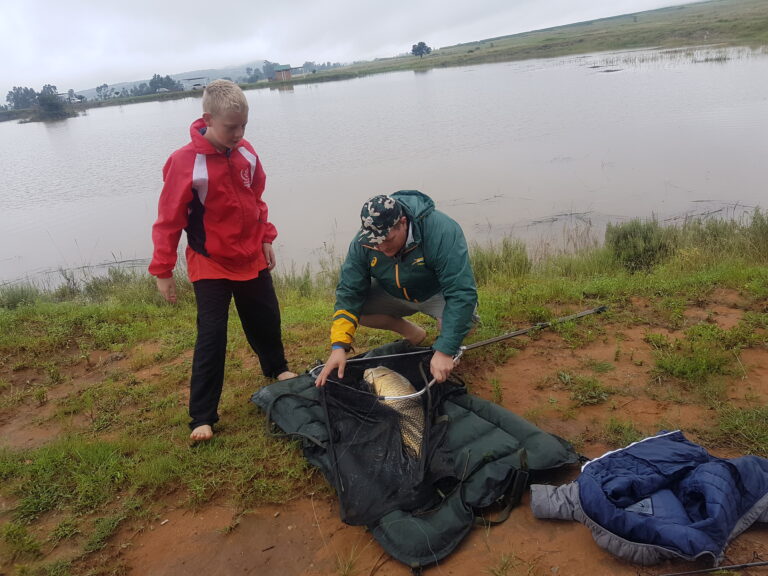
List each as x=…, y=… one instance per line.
x=286, y=375
x=201, y=433
x=415, y=335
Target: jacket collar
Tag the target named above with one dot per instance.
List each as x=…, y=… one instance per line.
x=200, y=142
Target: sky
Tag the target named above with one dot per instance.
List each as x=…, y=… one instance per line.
x=80, y=44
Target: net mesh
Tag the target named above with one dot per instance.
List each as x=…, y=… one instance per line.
x=386, y=452
x=410, y=419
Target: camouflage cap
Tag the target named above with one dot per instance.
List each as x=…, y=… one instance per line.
x=378, y=216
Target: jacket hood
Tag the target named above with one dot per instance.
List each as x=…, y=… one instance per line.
x=417, y=205
x=199, y=141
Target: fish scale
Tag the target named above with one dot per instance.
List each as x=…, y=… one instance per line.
x=387, y=382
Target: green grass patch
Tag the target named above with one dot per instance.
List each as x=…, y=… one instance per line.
x=599, y=366
x=19, y=543
x=70, y=474
x=578, y=333
x=745, y=429
x=639, y=245
x=509, y=565
x=694, y=363
x=497, y=391
x=585, y=390
x=706, y=351
x=64, y=530
x=103, y=528
x=619, y=433
x=58, y=568
x=503, y=261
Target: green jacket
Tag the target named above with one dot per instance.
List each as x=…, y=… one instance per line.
x=435, y=259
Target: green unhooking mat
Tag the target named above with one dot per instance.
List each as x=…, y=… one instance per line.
x=473, y=456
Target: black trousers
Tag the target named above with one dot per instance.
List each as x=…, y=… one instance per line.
x=257, y=306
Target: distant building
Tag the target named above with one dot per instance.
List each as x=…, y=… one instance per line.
x=73, y=98
x=282, y=73
x=196, y=83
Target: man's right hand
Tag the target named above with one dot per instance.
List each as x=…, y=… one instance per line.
x=167, y=287
x=337, y=359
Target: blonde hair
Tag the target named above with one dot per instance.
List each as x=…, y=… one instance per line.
x=223, y=96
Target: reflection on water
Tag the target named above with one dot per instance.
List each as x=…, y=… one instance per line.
x=521, y=148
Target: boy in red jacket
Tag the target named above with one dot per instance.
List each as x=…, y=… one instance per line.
x=212, y=190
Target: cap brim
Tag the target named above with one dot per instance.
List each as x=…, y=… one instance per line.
x=369, y=237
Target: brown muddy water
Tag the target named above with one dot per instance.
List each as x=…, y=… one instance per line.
x=532, y=150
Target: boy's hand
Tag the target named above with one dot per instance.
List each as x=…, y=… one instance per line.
x=337, y=359
x=167, y=287
x=269, y=254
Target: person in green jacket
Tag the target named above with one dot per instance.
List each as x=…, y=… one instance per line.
x=406, y=258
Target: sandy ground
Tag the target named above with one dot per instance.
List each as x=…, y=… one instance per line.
x=306, y=537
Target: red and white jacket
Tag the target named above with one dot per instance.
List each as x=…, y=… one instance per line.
x=216, y=198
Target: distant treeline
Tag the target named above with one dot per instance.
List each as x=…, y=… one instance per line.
x=157, y=85
x=49, y=98
x=710, y=23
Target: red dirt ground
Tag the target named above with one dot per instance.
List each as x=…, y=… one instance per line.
x=306, y=537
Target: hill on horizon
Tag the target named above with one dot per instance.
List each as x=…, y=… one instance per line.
x=706, y=22
x=207, y=74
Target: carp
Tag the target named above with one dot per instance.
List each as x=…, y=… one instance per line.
x=386, y=382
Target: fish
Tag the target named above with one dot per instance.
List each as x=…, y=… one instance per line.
x=387, y=382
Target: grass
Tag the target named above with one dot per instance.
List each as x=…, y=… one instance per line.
x=598, y=366
x=105, y=363
x=509, y=565
x=19, y=543
x=498, y=391
x=705, y=352
x=58, y=568
x=584, y=390
x=620, y=433
x=103, y=528
x=745, y=429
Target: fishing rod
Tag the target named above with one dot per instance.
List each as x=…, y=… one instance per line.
x=538, y=326
x=462, y=349
x=495, y=339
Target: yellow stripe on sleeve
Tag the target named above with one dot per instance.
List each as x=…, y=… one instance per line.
x=343, y=327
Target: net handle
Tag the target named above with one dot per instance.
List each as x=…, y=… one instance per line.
x=462, y=349
x=427, y=386
x=316, y=370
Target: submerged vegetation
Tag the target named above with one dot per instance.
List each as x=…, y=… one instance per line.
x=99, y=369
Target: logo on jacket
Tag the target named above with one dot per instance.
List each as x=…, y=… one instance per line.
x=373, y=261
x=245, y=175
x=418, y=261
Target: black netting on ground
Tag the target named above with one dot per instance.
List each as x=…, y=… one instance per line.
x=419, y=504
x=386, y=453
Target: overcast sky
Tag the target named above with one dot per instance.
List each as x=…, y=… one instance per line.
x=80, y=44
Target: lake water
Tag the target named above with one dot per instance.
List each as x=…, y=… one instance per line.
x=511, y=149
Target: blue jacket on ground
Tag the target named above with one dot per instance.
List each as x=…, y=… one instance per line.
x=662, y=498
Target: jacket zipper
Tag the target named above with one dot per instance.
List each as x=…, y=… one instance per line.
x=397, y=281
x=239, y=201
